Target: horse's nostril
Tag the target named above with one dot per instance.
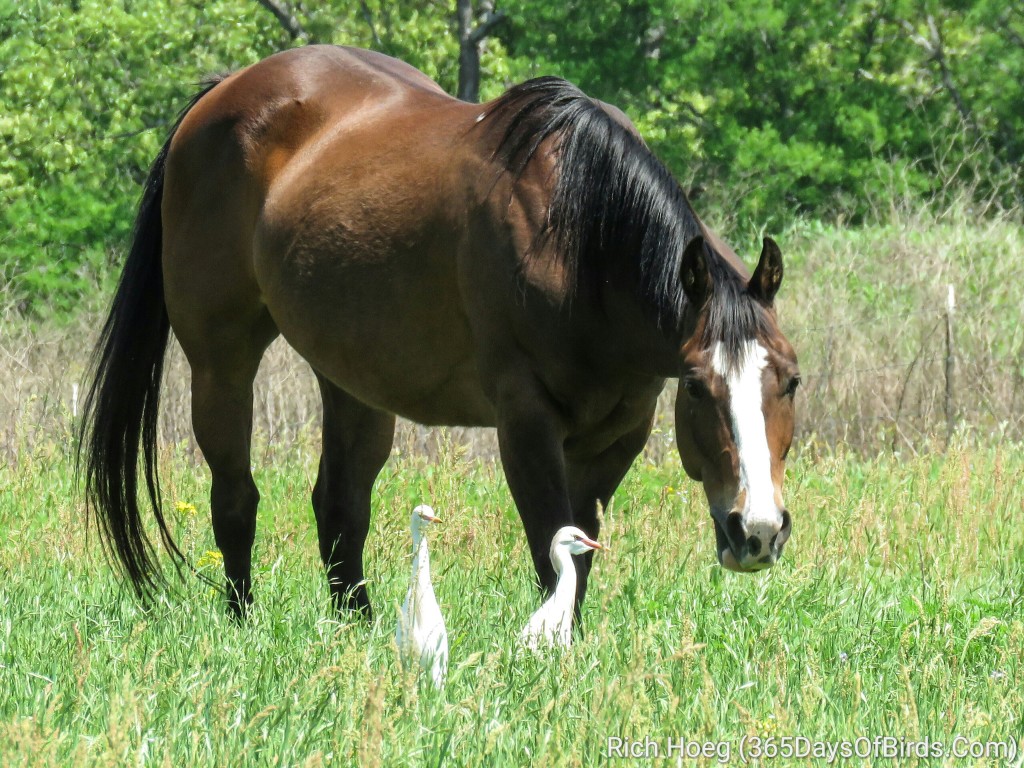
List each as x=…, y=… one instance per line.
x=778, y=541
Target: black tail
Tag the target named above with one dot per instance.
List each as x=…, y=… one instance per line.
x=120, y=414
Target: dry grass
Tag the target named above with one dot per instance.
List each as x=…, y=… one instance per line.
x=866, y=311
x=41, y=368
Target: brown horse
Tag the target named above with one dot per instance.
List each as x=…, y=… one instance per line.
x=526, y=264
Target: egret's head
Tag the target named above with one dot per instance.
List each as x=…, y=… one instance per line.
x=422, y=518
x=572, y=540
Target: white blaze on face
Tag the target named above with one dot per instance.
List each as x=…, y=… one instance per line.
x=748, y=428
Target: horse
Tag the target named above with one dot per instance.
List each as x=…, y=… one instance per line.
x=527, y=264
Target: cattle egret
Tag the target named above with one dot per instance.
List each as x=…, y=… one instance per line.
x=421, y=634
x=552, y=623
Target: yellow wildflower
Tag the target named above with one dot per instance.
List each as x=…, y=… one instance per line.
x=185, y=508
x=210, y=557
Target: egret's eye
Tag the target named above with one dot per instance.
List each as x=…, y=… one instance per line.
x=791, y=387
x=695, y=388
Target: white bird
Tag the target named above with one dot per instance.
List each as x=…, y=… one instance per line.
x=421, y=634
x=552, y=623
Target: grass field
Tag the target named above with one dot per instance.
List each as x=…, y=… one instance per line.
x=897, y=612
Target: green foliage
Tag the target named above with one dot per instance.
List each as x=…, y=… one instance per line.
x=778, y=109
x=88, y=92
x=770, y=110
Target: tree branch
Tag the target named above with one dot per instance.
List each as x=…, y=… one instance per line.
x=1008, y=31
x=287, y=19
x=368, y=17
x=483, y=29
x=933, y=46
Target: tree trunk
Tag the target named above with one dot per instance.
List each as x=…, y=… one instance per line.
x=470, y=40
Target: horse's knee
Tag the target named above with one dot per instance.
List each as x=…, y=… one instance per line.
x=233, y=505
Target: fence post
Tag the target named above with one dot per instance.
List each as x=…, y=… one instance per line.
x=950, y=365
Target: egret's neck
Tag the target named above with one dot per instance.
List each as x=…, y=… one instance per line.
x=565, y=585
x=420, y=559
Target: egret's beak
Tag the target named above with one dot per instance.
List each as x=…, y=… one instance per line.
x=594, y=544
x=430, y=518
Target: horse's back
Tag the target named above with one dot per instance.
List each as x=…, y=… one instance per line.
x=268, y=112
x=324, y=187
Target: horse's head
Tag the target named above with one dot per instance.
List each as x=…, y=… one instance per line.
x=734, y=410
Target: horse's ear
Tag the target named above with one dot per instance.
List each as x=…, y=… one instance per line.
x=767, y=278
x=693, y=271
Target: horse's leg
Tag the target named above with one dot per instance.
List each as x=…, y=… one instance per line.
x=356, y=442
x=222, y=376
x=593, y=481
x=530, y=437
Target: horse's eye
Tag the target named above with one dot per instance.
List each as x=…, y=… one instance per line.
x=695, y=388
x=791, y=387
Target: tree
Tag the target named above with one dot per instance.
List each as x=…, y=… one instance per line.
x=287, y=19
x=776, y=111
x=767, y=109
x=470, y=39
x=87, y=95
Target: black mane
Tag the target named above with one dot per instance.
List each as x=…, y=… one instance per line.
x=614, y=199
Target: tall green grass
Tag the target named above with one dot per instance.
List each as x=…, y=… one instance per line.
x=897, y=611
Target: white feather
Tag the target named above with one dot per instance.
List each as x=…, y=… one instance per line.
x=421, y=634
x=551, y=624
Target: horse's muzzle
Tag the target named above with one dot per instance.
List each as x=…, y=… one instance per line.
x=742, y=553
